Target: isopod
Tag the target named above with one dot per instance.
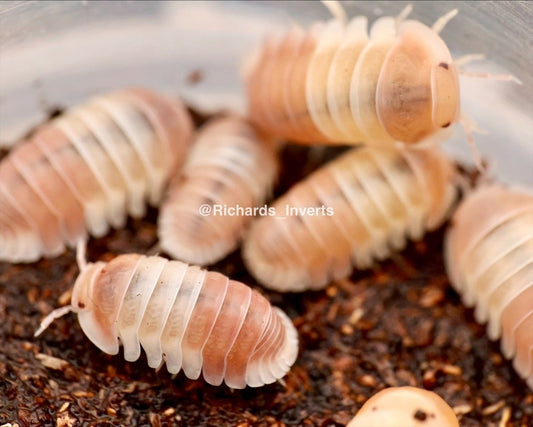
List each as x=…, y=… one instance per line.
x=335, y=83
x=192, y=319
x=405, y=406
x=86, y=170
x=229, y=167
x=489, y=259
x=355, y=209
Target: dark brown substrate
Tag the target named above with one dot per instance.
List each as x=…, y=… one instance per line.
x=399, y=324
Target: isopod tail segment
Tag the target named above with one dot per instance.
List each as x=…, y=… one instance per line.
x=191, y=319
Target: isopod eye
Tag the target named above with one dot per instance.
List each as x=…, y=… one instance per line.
x=420, y=415
x=81, y=305
x=445, y=94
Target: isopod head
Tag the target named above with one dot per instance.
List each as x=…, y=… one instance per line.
x=97, y=301
x=405, y=406
x=417, y=95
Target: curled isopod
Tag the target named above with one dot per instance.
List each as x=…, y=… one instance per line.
x=86, y=170
x=405, y=407
x=353, y=210
x=489, y=258
x=229, y=171
x=189, y=318
x=335, y=83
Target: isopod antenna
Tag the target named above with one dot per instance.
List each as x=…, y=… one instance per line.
x=469, y=126
x=81, y=252
x=53, y=315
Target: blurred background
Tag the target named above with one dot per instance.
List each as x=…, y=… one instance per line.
x=55, y=54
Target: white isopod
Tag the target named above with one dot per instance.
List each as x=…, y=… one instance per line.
x=189, y=318
x=229, y=171
x=354, y=209
x=335, y=83
x=86, y=170
x=405, y=407
x=489, y=258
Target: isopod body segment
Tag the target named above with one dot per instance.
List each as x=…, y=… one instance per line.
x=192, y=319
x=337, y=83
x=229, y=166
x=87, y=169
x=373, y=200
x=489, y=259
x=405, y=406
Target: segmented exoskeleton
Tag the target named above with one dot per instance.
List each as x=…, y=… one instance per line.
x=489, y=258
x=229, y=167
x=335, y=83
x=357, y=208
x=87, y=169
x=192, y=319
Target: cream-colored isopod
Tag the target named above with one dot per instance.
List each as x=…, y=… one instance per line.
x=405, y=407
x=336, y=83
x=355, y=209
x=489, y=258
x=192, y=319
x=230, y=170
x=87, y=169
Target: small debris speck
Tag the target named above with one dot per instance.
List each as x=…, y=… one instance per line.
x=347, y=329
x=506, y=416
x=462, y=409
x=82, y=393
x=367, y=381
x=356, y=315
x=64, y=419
x=492, y=409
x=169, y=412
x=195, y=77
x=52, y=362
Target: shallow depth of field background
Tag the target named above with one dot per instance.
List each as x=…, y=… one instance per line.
x=57, y=53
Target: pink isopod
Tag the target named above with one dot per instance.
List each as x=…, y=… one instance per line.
x=192, y=319
x=335, y=83
x=361, y=205
x=87, y=169
x=230, y=166
x=405, y=407
x=489, y=258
